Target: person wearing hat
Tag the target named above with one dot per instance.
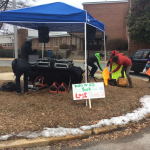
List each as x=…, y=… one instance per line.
x=91, y=60
x=109, y=63
x=26, y=49
x=127, y=64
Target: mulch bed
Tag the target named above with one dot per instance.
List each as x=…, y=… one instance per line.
x=42, y=109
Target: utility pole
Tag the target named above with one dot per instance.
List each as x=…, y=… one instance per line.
x=15, y=34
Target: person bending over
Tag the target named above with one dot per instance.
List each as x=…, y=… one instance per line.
x=109, y=63
x=91, y=60
x=21, y=66
x=127, y=64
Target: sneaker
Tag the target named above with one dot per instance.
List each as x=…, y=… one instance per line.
x=26, y=93
x=90, y=76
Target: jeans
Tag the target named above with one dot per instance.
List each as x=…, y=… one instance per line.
x=93, y=70
x=127, y=70
x=18, y=73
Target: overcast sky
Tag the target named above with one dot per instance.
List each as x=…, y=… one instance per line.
x=75, y=3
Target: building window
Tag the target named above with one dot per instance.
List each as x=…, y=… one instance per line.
x=47, y=44
x=63, y=40
x=56, y=42
x=40, y=44
x=34, y=43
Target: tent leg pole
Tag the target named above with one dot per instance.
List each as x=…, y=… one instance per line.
x=104, y=46
x=42, y=49
x=85, y=37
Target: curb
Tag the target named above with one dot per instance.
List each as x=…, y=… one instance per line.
x=41, y=141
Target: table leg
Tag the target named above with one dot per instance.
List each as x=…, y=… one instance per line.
x=69, y=85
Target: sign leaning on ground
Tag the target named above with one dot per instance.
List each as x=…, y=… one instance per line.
x=88, y=91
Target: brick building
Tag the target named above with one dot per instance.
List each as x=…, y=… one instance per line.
x=113, y=14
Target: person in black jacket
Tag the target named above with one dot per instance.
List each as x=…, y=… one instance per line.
x=26, y=49
x=21, y=66
x=91, y=60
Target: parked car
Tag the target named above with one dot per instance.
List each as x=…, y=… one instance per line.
x=139, y=60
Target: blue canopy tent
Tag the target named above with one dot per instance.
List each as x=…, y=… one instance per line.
x=57, y=16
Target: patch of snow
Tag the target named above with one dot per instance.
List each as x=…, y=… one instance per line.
x=135, y=116
x=5, y=137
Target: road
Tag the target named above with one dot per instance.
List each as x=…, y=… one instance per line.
x=81, y=64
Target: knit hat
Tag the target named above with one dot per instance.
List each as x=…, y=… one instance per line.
x=149, y=59
x=29, y=39
x=114, y=53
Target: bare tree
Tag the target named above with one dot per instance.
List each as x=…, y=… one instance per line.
x=8, y=5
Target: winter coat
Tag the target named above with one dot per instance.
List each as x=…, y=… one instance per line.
x=113, y=53
x=26, y=50
x=20, y=63
x=95, y=58
x=122, y=60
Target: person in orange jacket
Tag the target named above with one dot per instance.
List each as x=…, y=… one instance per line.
x=127, y=64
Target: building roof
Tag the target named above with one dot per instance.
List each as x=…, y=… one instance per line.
x=105, y=2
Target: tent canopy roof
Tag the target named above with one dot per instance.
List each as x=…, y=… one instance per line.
x=57, y=16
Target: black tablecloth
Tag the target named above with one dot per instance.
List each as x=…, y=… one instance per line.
x=58, y=75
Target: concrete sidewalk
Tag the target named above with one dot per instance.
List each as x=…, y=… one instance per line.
x=8, y=76
x=7, y=58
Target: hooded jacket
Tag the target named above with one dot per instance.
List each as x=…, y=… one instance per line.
x=26, y=49
x=95, y=58
x=122, y=60
x=113, y=53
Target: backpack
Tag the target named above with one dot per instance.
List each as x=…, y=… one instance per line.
x=8, y=86
x=112, y=82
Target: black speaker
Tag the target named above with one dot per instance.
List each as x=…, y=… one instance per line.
x=43, y=33
x=91, y=31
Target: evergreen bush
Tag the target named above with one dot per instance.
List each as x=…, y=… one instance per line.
x=117, y=44
x=64, y=46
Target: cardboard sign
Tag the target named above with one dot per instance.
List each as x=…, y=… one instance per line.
x=88, y=91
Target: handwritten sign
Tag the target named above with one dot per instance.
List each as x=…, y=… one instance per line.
x=88, y=91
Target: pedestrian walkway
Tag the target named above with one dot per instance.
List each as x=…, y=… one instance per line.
x=8, y=76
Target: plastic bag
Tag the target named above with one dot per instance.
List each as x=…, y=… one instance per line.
x=144, y=70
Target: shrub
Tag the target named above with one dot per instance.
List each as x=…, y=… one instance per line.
x=6, y=53
x=64, y=46
x=117, y=44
